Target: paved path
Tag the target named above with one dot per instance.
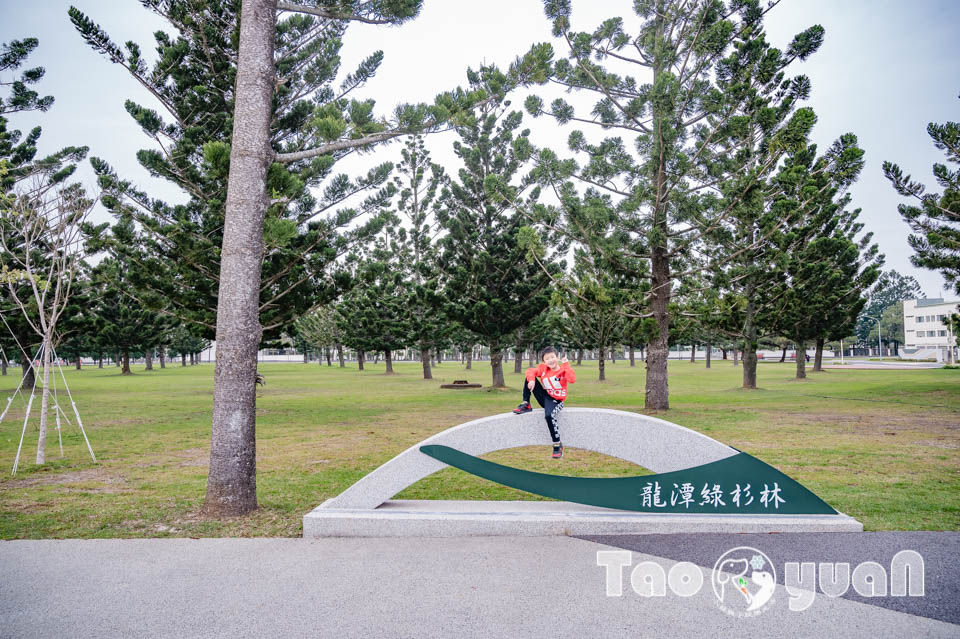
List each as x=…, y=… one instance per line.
x=940, y=552
x=864, y=364
x=435, y=587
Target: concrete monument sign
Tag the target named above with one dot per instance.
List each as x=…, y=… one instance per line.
x=699, y=484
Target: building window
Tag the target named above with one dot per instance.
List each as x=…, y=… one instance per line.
x=943, y=333
x=919, y=319
x=921, y=334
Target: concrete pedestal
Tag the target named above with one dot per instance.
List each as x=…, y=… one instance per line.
x=366, y=509
x=451, y=518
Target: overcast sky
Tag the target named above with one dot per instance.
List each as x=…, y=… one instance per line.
x=885, y=70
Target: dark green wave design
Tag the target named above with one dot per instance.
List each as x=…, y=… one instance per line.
x=627, y=493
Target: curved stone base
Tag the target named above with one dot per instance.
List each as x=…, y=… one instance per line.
x=450, y=518
x=366, y=509
x=652, y=443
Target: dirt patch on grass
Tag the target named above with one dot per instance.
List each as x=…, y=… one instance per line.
x=26, y=505
x=126, y=421
x=187, y=457
x=195, y=457
x=939, y=443
x=945, y=425
x=102, y=480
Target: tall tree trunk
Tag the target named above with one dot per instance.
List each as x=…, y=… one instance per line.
x=306, y=358
x=326, y=350
x=818, y=360
x=126, y=362
x=736, y=354
x=632, y=356
x=709, y=353
x=360, y=360
x=580, y=357
x=44, y=405
x=78, y=363
x=749, y=341
x=723, y=352
x=783, y=355
x=148, y=357
x=533, y=355
x=749, y=364
x=119, y=359
x=602, y=367
x=613, y=356
x=693, y=353
x=163, y=356
x=232, y=480
x=99, y=360
x=801, y=359
x=657, y=389
x=388, y=358
x=340, y=355
x=518, y=361
x=470, y=358
x=425, y=358
x=183, y=359
x=496, y=365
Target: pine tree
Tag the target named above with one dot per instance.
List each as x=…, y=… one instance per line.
x=19, y=167
x=183, y=342
x=851, y=265
x=272, y=126
x=374, y=313
x=677, y=132
x=120, y=320
x=465, y=340
x=890, y=328
x=491, y=288
x=598, y=296
x=319, y=330
x=823, y=270
x=418, y=185
x=592, y=314
x=545, y=330
x=193, y=79
x=936, y=221
x=76, y=330
x=747, y=207
x=891, y=287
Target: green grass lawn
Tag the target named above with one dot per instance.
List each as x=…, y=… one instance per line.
x=880, y=445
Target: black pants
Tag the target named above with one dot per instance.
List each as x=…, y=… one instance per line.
x=551, y=407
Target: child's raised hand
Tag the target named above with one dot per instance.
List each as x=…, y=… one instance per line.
x=564, y=360
x=531, y=384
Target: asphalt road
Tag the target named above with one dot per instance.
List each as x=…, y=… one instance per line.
x=438, y=587
x=940, y=552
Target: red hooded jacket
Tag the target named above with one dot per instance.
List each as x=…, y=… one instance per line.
x=553, y=381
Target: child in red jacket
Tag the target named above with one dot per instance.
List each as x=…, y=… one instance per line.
x=548, y=382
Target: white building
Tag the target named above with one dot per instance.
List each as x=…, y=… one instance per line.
x=925, y=334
